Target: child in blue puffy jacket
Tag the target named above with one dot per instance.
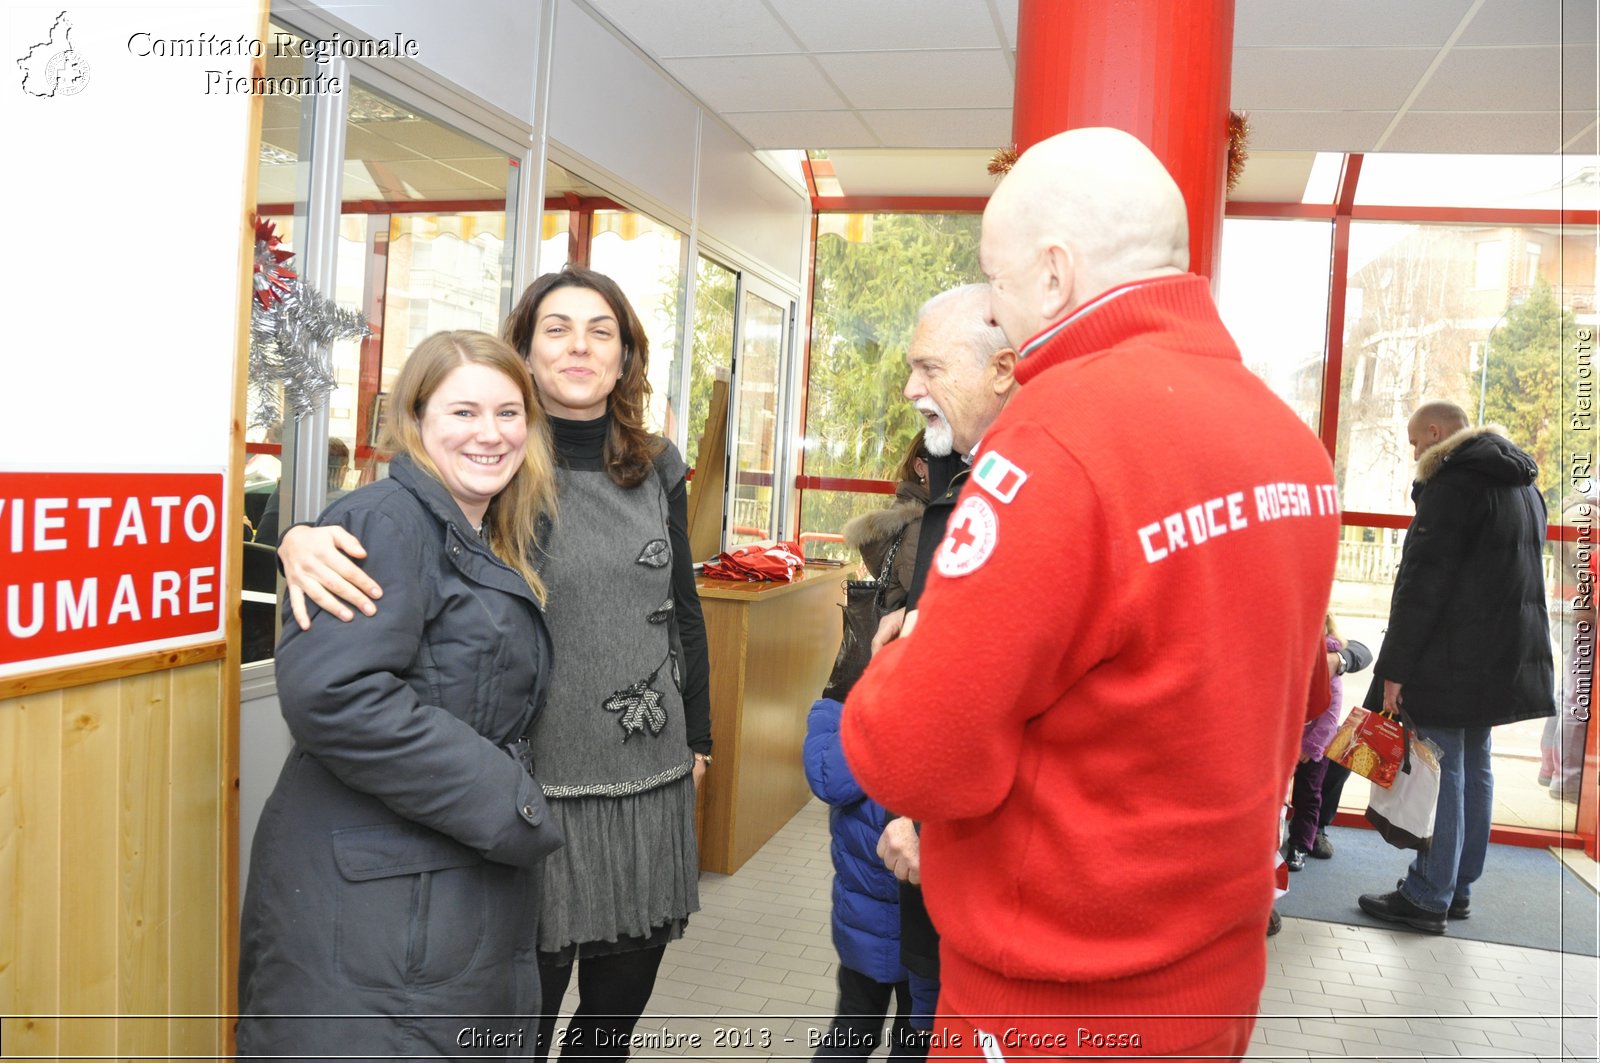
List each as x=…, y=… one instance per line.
x=866, y=911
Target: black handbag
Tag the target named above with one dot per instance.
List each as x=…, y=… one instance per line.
x=863, y=608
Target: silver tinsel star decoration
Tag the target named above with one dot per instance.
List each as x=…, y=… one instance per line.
x=290, y=337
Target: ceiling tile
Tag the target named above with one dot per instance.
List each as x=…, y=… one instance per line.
x=495, y=173
x=802, y=129
x=1274, y=176
x=1494, y=79
x=984, y=128
x=924, y=173
x=424, y=179
x=730, y=84
x=921, y=79
x=887, y=25
x=1345, y=23
x=1326, y=79
x=1580, y=76
x=1502, y=133
x=706, y=27
x=377, y=143
x=1578, y=131
x=1008, y=19
x=1505, y=22
x=1317, y=130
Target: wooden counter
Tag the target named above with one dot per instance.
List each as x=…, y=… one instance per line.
x=772, y=646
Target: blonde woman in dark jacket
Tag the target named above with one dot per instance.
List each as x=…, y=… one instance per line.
x=397, y=859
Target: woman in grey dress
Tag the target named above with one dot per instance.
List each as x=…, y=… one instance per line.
x=626, y=734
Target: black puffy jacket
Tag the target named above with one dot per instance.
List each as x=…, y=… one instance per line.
x=1469, y=634
x=394, y=871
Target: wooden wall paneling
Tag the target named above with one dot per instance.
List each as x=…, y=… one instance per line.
x=30, y=874
x=17, y=686
x=195, y=848
x=90, y=730
x=142, y=941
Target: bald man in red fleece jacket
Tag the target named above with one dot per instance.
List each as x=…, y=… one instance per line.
x=1134, y=580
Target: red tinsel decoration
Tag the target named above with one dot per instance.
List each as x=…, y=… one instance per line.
x=271, y=281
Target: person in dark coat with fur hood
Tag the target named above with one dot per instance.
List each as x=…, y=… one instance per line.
x=1468, y=643
x=872, y=534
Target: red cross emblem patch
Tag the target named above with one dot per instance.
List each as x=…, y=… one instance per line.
x=969, y=538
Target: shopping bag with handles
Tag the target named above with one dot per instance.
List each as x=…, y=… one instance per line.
x=1404, y=812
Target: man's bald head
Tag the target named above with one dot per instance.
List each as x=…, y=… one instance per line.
x=1081, y=212
x=1433, y=422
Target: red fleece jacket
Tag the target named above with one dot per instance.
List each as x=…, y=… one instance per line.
x=1103, y=695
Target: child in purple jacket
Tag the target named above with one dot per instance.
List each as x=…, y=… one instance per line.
x=1308, y=774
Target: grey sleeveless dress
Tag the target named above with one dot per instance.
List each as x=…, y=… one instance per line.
x=610, y=747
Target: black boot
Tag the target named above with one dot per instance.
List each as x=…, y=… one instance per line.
x=1394, y=908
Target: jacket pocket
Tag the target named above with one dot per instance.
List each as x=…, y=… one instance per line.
x=411, y=906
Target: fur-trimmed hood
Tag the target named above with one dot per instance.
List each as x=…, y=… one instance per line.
x=1484, y=450
x=881, y=525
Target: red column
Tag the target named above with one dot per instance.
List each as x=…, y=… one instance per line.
x=1159, y=69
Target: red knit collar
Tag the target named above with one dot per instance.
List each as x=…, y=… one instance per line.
x=1158, y=305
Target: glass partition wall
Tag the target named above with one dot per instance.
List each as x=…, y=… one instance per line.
x=1394, y=280
x=409, y=229
x=407, y=218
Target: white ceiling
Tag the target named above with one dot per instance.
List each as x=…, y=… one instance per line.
x=900, y=77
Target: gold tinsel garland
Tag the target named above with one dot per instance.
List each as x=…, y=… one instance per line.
x=1238, y=143
x=1001, y=161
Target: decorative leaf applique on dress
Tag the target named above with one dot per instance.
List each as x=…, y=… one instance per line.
x=662, y=613
x=656, y=554
x=638, y=706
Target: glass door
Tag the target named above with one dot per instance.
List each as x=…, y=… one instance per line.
x=755, y=480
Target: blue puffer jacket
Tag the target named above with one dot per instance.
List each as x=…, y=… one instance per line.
x=866, y=897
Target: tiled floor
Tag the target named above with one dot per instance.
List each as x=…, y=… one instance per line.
x=753, y=979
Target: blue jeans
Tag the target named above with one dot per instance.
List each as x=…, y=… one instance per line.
x=1454, y=861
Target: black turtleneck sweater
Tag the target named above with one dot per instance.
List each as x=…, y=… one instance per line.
x=581, y=445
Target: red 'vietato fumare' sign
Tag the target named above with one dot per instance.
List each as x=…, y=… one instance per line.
x=93, y=565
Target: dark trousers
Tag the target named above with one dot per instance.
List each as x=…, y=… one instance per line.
x=858, y=1024
x=1332, y=790
x=1308, y=798
x=612, y=993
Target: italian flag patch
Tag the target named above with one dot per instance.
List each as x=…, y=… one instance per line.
x=998, y=476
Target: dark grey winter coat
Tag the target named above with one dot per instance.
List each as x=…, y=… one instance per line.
x=393, y=874
x=1469, y=635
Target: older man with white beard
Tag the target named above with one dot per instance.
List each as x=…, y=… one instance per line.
x=961, y=377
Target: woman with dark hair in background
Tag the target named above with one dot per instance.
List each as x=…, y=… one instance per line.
x=626, y=736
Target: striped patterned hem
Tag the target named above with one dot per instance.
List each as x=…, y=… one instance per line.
x=619, y=789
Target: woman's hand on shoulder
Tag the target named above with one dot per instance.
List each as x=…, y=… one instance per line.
x=317, y=565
